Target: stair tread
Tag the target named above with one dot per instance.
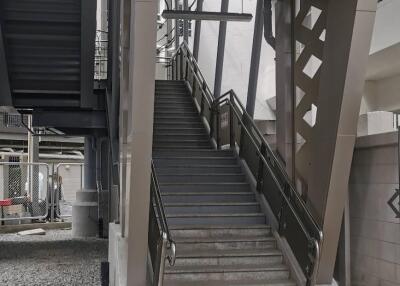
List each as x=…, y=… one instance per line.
x=215, y=215
x=224, y=238
x=218, y=227
x=207, y=184
x=249, y=282
x=217, y=253
x=211, y=204
x=194, y=193
x=226, y=268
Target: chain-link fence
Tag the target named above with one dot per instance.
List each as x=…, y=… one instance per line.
x=24, y=192
x=68, y=180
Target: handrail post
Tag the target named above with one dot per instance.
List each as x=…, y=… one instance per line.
x=164, y=242
x=181, y=65
x=231, y=125
x=218, y=124
x=263, y=150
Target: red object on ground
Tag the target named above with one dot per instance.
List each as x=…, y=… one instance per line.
x=6, y=202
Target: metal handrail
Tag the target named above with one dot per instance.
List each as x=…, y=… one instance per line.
x=272, y=156
x=268, y=159
x=168, y=249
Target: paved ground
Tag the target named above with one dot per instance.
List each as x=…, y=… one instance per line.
x=52, y=259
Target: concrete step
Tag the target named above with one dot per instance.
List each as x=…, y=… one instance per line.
x=227, y=273
x=199, y=178
x=204, y=197
x=173, y=119
x=219, y=232
x=180, y=131
x=165, y=92
x=207, y=197
x=226, y=243
x=161, y=162
x=177, y=153
x=285, y=282
x=161, y=103
x=198, y=258
x=205, y=187
x=160, y=82
x=200, y=208
x=217, y=218
x=176, y=113
x=179, y=137
x=198, y=169
x=164, y=107
x=187, y=144
x=168, y=124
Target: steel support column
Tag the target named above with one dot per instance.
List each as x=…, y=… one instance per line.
x=285, y=94
x=197, y=32
x=176, y=27
x=220, y=51
x=342, y=76
x=5, y=89
x=139, y=138
x=255, y=58
x=90, y=164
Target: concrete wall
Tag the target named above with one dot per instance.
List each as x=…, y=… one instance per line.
x=374, y=229
x=387, y=23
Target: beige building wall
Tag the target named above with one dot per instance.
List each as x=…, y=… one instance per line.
x=374, y=228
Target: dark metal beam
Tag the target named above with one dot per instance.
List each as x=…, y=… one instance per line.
x=255, y=58
x=88, y=36
x=207, y=16
x=197, y=32
x=220, y=51
x=85, y=120
x=5, y=90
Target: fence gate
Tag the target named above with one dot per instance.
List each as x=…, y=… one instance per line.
x=24, y=192
x=68, y=180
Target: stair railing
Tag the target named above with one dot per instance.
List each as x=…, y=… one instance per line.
x=230, y=124
x=161, y=245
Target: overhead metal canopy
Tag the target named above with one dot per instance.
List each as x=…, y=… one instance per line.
x=207, y=16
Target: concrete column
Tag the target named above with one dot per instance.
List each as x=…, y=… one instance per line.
x=139, y=137
x=345, y=58
x=285, y=93
x=197, y=32
x=90, y=164
x=255, y=58
x=220, y=51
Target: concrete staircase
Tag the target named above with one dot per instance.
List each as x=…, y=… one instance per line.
x=221, y=233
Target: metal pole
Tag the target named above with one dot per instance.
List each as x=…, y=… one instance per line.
x=90, y=164
x=197, y=30
x=255, y=58
x=186, y=23
x=169, y=30
x=221, y=50
x=176, y=27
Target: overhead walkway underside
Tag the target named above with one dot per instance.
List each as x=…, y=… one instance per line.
x=47, y=51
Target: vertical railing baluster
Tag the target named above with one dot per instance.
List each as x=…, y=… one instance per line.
x=232, y=142
x=263, y=150
x=218, y=121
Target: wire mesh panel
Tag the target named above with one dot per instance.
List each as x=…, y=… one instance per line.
x=24, y=191
x=68, y=179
